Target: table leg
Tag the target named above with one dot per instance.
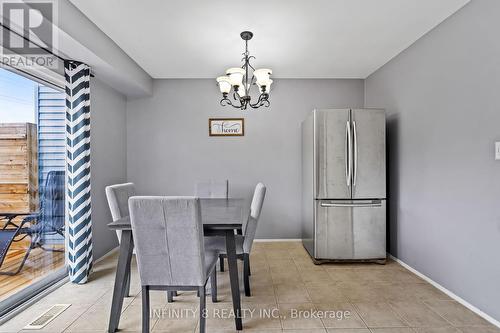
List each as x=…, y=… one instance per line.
x=122, y=272
x=233, y=277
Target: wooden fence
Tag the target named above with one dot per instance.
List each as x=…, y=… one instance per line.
x=18, y=168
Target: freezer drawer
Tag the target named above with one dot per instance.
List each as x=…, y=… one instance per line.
x=369, y=231
x=350, y=229
x=333, y=232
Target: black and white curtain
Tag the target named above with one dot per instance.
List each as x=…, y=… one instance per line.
x=78, y=170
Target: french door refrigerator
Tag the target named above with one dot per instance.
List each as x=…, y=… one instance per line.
x=344, y=185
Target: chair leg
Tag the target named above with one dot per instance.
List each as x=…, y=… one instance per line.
x=221, y=262
x=170, y=296
x=203, y=312
x=145, y=309
x=213, y=284
x=246, y=273
x=127, y=288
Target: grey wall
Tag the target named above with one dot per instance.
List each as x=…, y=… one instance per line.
x=169, y=149
x=443, y=97
x=108, y=149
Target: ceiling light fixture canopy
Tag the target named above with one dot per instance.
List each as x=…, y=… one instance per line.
x=239, y=81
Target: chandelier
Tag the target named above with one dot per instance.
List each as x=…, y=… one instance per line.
x=240, y=80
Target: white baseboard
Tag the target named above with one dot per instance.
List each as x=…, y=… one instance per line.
x=447, y=292
x=262, y=240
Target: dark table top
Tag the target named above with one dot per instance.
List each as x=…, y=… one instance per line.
x=215, y=214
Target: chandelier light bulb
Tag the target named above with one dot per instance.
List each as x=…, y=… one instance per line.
x=236, y=75
x=265, y=87
x=224, y=84
x=262, y=75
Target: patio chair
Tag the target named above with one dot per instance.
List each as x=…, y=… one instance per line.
x=48, y=221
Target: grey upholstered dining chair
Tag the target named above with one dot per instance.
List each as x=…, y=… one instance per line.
x=168, y=237
x=213, y=189
x=243, y=242
x=117, y=196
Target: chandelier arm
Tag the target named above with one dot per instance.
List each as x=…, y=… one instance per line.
x=258, y=103
x=226, y=101
x=249, y=64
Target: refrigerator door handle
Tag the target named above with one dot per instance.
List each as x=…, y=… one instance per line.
x=373, y=204
x=348, y=150
x=355, y=159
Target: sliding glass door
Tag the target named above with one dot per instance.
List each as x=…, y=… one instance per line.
x=32, y=187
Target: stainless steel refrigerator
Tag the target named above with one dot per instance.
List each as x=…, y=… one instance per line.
x=344, y=185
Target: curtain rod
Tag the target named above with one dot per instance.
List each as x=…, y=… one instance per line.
x=42, y=47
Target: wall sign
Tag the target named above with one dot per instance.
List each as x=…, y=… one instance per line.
x=226, y=126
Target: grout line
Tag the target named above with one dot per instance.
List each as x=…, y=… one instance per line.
x=447, y=292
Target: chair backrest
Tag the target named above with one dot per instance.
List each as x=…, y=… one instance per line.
x=52, y=205
x=213, y=189
x=168, y=238
x=118, y=196
x=255, y=209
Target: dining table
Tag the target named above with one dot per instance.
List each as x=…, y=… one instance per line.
x=220, y=217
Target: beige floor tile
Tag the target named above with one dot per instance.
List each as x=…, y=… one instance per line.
x=477, y=329
x=378, y=315
x=346, y=275
x=313, y=330
x=284, y=279
x=298, y=316
x=348, y=330
x=78, y=294
x=340, y=315
x=260, y=316
x=425, y=291
x=95, y=318
x=325, y=293
x=436, y=330
x=392, y=330
x=131, y=319
x=281, y=264
x=456, y=313
x=417, y=314
x=278, y=254
x=177, y=319
x=293, y=293
x=412, y=292
x=362, y=292
x=220, y=316
x=305, y=263
x=314, y=276
x=221, y=330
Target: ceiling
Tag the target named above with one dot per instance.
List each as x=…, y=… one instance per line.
x=296, y=38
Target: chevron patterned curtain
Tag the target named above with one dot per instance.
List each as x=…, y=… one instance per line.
x=78, y=170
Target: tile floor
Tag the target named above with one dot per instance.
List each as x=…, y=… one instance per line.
x=287, y=290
